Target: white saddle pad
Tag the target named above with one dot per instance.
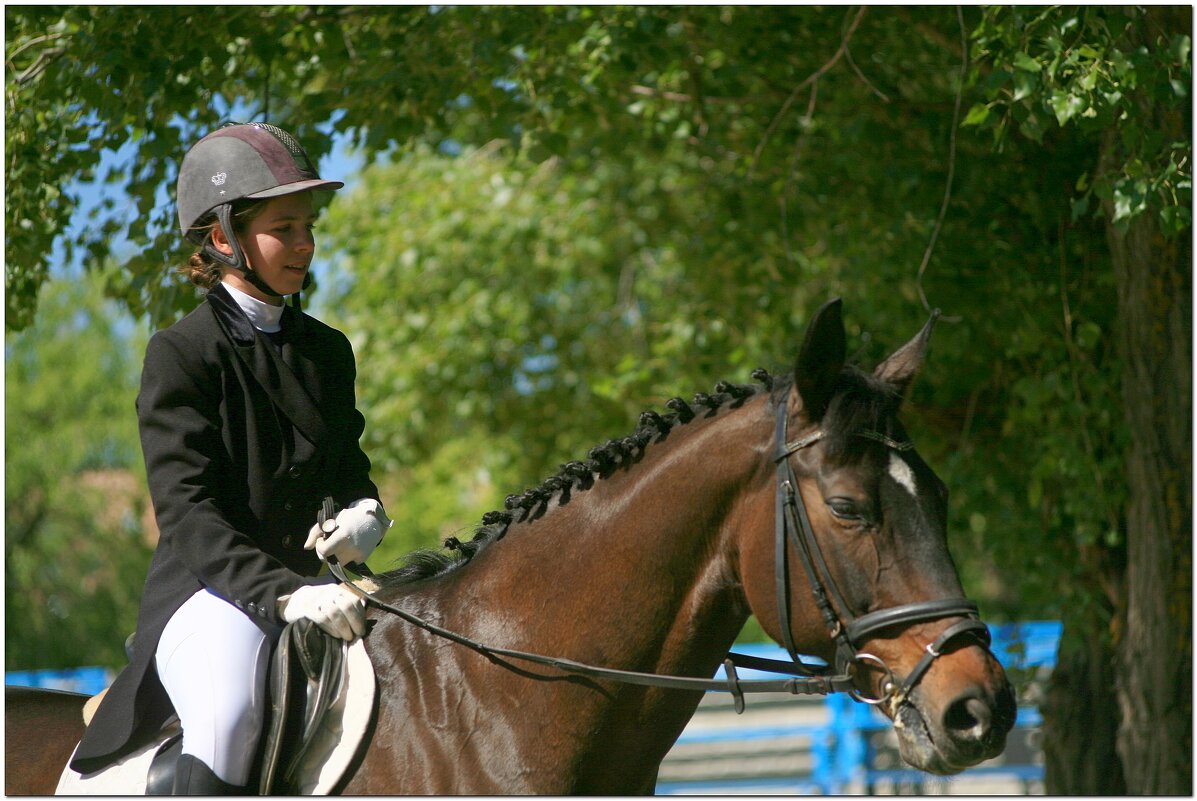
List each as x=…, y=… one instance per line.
x=332, y=748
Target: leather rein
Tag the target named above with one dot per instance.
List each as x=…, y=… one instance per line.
x=792, y=529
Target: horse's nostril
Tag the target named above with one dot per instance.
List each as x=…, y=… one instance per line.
x=969, y=719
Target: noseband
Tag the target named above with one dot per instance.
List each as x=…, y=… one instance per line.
x=848, y=630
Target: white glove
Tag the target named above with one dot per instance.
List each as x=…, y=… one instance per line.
x=332, y=607
x=359, y=529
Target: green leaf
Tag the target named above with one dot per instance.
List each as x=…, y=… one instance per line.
x=1130, y=199
x=1179, y=49
x=1066, y=106
x=1080, y=207
x=1025, y=62
x=1088, y=334
x=1025, y=84
x=977, y=114
x=1175, y=219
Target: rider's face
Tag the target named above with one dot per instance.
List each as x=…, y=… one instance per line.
x=279, y=246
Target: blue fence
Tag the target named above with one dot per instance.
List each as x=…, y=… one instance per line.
x=845, y=746
x=87, y=680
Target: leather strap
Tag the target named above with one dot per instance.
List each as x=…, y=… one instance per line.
x=792, y=529
x=861, y=628
x=970, y=626
x=798, y=685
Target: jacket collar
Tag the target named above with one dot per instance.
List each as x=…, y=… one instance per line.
x=276, y=374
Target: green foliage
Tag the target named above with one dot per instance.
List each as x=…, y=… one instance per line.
x=74, y=499
x=575, y=213
x=1108, y=71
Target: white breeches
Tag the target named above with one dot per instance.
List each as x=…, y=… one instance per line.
x=213, y=660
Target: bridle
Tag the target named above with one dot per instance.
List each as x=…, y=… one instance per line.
x=846, y=629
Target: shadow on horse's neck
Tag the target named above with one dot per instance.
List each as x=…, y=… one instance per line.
x=638, y=571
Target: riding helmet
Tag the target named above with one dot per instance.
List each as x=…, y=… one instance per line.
x=241, y=160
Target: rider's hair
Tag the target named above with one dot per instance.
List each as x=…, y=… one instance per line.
x=203, y=270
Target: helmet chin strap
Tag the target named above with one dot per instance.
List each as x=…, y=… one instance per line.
x=236, y=259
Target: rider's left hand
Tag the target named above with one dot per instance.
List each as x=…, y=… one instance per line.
x=360, y=527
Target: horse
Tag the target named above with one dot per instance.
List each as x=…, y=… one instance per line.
x=41, y=728
x=649, y=556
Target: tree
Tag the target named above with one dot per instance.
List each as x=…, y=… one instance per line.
x=1124, y=78
x=596, y=208
x=76, y=543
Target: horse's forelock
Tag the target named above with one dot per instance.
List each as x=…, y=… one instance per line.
x=861, y=402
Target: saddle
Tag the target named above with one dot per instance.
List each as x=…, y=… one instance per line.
x=306, y=675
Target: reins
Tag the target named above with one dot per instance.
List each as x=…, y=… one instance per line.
x=798, y=684
x=792, y=528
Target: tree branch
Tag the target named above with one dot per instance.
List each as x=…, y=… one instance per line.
x=864, y=80
x=816, y=75
x=44, y=59
x=947, y=192
x=35, y=40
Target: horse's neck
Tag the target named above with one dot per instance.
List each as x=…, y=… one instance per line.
x=636, y=568
x=637, y=573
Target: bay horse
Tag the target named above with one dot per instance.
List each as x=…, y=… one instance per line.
x=650, y=555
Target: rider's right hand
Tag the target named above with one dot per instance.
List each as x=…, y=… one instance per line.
x=332, y=607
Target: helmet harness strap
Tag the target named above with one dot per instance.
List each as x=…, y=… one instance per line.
x=237, y=260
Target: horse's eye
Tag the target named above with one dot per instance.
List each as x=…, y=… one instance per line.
x=844, y=509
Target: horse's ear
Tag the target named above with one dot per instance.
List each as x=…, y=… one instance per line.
x=821, y=359
x=904, y=364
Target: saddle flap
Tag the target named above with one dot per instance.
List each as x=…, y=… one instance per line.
x=305, y=681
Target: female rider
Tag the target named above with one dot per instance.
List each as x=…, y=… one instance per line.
x=248, y=420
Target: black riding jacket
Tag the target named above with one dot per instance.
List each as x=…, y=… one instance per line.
x=242, y=437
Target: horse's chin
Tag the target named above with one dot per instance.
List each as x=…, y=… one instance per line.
x=923, y=750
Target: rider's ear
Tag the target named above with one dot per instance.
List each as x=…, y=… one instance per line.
x=901, y=367
x=220, y=240
x=821, y=359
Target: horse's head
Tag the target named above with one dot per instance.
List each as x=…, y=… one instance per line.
x=866, y=531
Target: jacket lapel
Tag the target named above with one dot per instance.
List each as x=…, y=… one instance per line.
x=272, y=371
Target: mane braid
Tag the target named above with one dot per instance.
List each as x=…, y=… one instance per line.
x=602, y=462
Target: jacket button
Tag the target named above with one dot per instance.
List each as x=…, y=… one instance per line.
x=253, y=607
x=295, y=472
x=287, y=541
x=288, y=506
x=237, y=603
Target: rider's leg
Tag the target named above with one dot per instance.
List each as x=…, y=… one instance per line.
x=212, y=660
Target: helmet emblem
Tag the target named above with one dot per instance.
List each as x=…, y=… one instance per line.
x=219, y=178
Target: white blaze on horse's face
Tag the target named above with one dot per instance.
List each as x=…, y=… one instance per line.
x=900, y=472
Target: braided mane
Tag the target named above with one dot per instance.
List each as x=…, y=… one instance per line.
x=601, y=462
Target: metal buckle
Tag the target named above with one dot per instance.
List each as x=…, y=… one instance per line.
x=889, y=686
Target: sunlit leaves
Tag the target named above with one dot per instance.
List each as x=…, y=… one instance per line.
x=1102, y=69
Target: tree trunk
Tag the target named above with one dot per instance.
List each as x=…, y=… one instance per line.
x=1080, y=714
x=1155, y=656
x=1155, y=665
